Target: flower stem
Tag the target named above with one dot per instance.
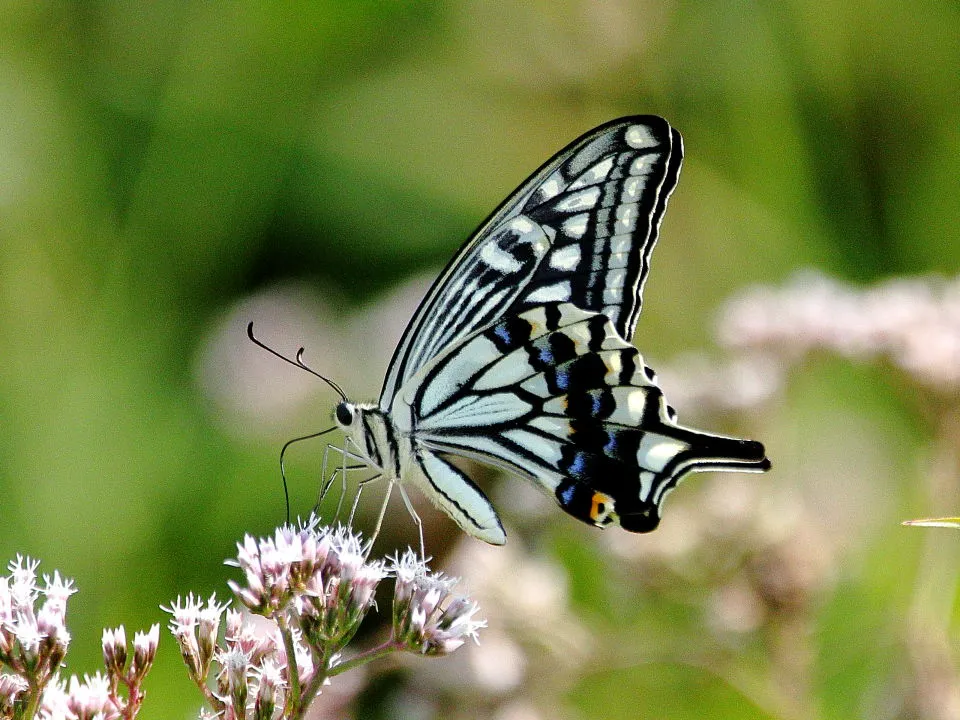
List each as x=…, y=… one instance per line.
x=322, y=664
x=293, y=676
x=34, y=703
x=366, y=656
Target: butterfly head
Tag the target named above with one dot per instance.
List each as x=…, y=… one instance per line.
x=370, y=433
x=345, y=414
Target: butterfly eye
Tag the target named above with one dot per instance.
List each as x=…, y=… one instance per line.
x=345, y=414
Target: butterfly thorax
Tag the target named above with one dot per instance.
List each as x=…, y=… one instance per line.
x=371, y=435
x=385, y=440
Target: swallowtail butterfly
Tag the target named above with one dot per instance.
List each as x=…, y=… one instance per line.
x=520, y=357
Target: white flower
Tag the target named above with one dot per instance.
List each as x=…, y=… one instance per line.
x=427, y=618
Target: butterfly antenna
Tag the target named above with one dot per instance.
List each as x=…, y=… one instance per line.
x=283, y=452
x=298, y=362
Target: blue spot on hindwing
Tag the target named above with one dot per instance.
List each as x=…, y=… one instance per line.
x=510, y=333
x=597, y=403
x=610, y=448
x=579, y=465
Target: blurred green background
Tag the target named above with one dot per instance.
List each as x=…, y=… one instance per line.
x=171, y=170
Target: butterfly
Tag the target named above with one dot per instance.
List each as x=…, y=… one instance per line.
x=519, y=357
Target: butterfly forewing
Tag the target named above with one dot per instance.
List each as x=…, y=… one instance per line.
x=579, y=230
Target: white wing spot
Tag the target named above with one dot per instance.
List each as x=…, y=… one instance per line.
x=552, y=186
x=620, y=243
x=522, y=225
x=646, y=483
x=636, y=401
x=618, y=260
x=499, y=259
x=615, y=278
x=626, y=219
x=614, y=368
x=596, y=174
x=641, y=167
x=612, y=296
x=612, y=311
x=566, y=258
x=638, y=136
x=656, y=451
x=558, y=292
x=632, y=189
x=570, y=314
x=537, y=385
x=583, y=200
x=575, y=226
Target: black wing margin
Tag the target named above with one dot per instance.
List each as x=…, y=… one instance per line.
x=580, y=230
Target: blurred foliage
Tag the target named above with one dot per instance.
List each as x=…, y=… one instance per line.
x=163, y=163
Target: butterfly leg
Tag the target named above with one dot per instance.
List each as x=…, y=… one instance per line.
x=416, y=519
x=344, y=468
x=325, y=482
x=356, y=500
x=283, y=452
x=383, y=509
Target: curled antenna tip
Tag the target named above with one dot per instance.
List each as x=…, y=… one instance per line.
x=298, y=362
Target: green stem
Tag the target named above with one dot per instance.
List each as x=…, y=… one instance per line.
x=322, y=664
x=366, y=656
x=34, y=703
x=212, y=700
x=294, y=704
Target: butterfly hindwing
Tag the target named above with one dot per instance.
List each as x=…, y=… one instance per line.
x=555, y=395
x=579, y=230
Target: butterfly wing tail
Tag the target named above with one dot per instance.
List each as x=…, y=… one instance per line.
x=719, y=452
x=683, y=451
x=603, y=485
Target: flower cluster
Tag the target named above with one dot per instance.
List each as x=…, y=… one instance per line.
x=315, y=585
x=34, y=642
x=913, y=322
x=427, y=617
